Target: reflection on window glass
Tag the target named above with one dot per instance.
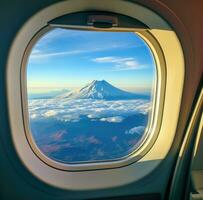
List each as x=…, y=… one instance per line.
x=89, y=94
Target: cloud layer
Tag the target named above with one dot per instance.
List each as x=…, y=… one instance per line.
x=74, y=110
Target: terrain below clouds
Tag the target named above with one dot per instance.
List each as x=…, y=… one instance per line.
x=99, y=122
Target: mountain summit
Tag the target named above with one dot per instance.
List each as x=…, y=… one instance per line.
x=101, y=90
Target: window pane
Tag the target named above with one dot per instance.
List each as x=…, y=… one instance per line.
x=90, y=94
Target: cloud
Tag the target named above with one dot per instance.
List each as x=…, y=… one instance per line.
x=63, y=42
x=135, y=130
x=121, y=63
x=96, y=110
x=56, y=34
x=37, y=54
x=112, y=59
x=50, y=113
x=116, y=119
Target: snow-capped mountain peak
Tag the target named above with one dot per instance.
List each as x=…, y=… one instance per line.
x=100, y=90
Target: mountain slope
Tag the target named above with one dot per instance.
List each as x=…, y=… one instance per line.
x=101, y=90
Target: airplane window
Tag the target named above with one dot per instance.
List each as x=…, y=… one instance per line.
x=89, y=94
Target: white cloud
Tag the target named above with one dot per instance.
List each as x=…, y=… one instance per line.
x=112, y=59
x=36, y=51
x=50, y=113
x=74, y=110
x=116, y=119
x=38, y=54
x=54, y=35
x=121, y=63
x=135, y=130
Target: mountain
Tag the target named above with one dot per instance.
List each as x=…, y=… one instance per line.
x=101, y=90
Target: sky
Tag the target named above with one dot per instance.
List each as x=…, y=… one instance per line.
x=71, y=59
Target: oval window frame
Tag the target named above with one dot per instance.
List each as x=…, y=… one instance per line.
x=151, y=128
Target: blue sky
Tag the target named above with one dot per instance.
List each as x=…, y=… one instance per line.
x=70, y=59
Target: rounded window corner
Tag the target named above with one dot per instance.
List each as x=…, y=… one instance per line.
x=148, y=130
